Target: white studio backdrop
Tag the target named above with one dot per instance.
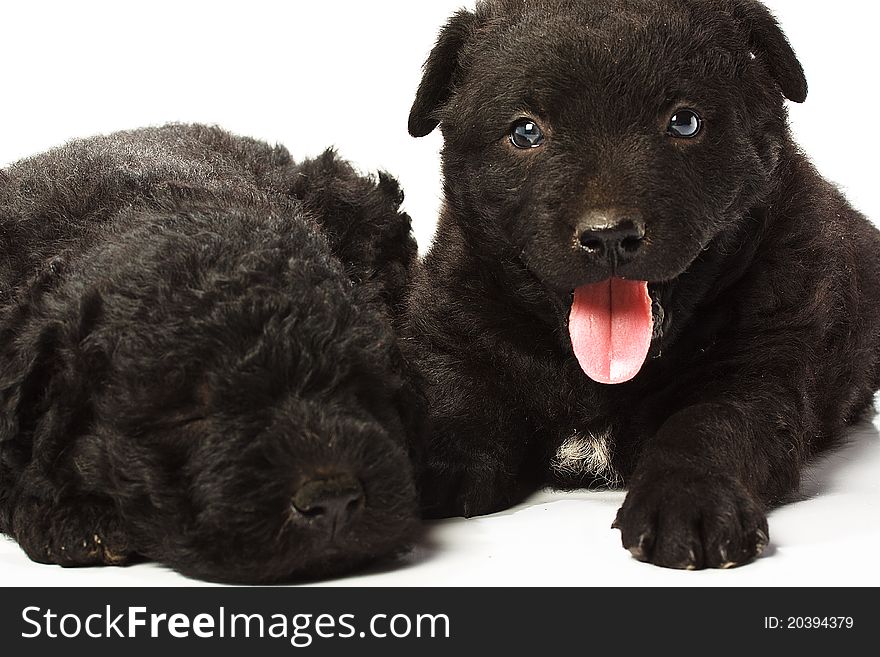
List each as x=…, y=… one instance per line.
x=343, y=73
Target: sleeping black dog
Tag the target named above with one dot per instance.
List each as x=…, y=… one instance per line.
x=638, y=278
x=197, y=358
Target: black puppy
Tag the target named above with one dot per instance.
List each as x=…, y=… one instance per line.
x=637, y=276
x=197, y=358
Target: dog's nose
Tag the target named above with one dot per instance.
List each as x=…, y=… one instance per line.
x=615, y=234
x=333, y=500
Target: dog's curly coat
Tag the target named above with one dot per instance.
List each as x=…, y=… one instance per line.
x=192, y=328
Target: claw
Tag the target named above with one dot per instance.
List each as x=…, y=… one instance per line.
x=726, y=561
x=692, y=560
x=639, y=551
x=762, y=541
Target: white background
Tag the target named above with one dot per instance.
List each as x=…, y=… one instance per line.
x=343, y=73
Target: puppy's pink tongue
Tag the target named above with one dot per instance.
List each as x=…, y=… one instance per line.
x=611, y=327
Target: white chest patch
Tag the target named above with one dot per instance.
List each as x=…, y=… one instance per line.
x=587, y=454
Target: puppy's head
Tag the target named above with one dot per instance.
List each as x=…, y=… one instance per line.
x=294, y=414
x=607, y=142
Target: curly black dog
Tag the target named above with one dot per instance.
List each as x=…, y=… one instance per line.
x=638, y=278
x=197, y=358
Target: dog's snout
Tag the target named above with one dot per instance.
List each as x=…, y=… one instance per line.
x=615, y=234
x=334, y=501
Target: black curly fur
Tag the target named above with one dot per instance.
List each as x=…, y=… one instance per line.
x=765, y=281
x=191, y=326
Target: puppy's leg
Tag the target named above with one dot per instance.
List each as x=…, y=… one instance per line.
x=702, y=484
x=79, y=532
x=476, y=463
x=699, y=494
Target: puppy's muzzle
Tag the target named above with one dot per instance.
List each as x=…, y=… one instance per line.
x=616, y=235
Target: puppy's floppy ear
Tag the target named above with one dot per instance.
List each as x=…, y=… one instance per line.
x=768, y=41
x=26, y=375
x=36, y=391
x=439, y=73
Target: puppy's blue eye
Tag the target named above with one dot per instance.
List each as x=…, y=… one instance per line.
x=525, y=133
x=685, y=124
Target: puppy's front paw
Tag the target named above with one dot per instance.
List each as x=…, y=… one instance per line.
x=70, y=535
x=467, y=492
x=692, y=521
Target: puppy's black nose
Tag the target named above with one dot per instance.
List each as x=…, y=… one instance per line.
x=616, y=234
x=333, y=500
